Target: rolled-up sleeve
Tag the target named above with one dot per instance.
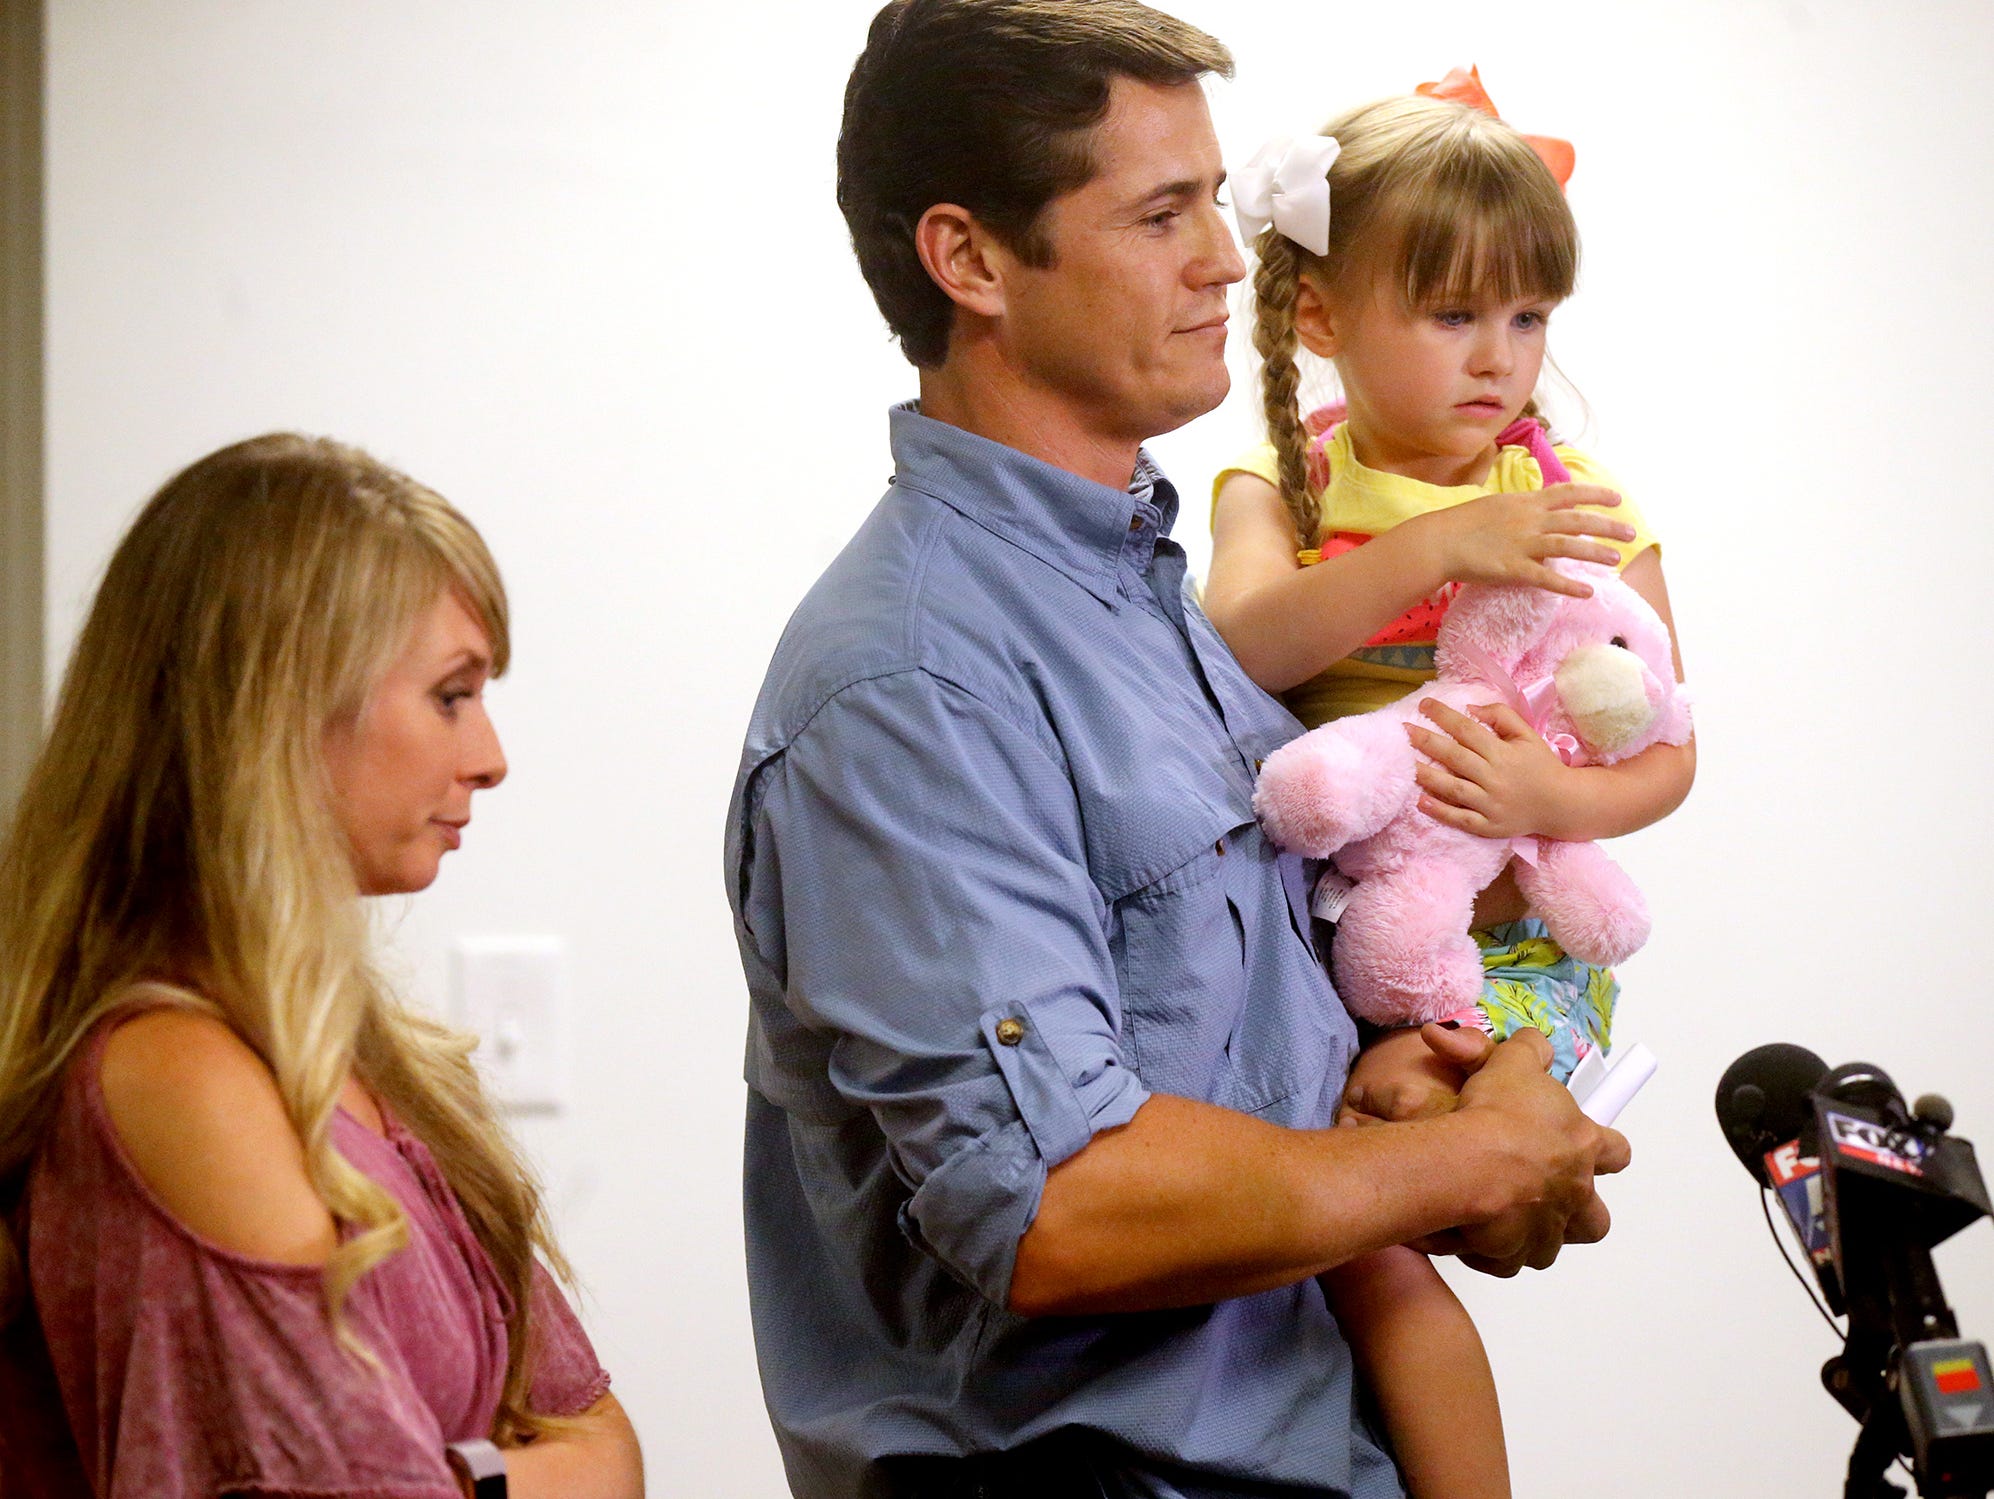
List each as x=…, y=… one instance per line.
x=913, y=876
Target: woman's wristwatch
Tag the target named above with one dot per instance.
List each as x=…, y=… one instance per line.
x=480, y=1466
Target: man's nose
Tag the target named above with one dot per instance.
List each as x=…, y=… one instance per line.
x=1223, y=265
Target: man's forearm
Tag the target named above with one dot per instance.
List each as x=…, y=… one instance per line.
x=1190, y=1203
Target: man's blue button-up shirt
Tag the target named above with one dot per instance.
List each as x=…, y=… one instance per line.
x=996, y=879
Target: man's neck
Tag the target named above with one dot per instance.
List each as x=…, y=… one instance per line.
x=981, y=395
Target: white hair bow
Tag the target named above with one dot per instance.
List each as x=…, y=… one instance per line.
x=1287, y=185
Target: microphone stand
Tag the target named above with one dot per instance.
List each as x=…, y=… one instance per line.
x=1875, y=1381
x=1893, y=1188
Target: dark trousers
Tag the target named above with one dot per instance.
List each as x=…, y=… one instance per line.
x=1064, y=1465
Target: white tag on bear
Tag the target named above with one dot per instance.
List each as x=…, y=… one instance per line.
x=1332, y=896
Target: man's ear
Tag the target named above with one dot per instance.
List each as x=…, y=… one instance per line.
x=963, y=258
x=1315, y=320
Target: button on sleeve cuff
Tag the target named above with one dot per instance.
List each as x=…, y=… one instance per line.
x=971, y=1211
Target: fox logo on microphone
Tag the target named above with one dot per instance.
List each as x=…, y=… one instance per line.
x=1893, y=1149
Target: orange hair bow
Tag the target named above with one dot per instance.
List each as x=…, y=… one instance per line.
x=1464, y=86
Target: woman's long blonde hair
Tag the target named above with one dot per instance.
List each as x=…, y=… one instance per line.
x=177, y=826
x=1430, y=200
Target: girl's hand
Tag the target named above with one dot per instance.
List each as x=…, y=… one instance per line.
x=1510, y=538
x=1411, y=1074
x=1492, y=774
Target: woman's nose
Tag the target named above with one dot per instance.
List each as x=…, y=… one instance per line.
x=485, y=763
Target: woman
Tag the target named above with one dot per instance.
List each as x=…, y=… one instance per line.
x=262, y=1231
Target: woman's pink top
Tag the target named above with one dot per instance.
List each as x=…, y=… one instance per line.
x=167, y=1367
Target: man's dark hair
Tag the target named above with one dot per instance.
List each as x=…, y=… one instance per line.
x=990, y=104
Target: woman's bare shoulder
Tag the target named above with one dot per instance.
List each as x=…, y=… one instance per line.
x=201, y=1120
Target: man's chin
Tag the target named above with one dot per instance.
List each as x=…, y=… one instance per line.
x=1185, y=403
x=1194, y=403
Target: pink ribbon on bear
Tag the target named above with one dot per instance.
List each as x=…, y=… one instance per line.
x=1533, y=704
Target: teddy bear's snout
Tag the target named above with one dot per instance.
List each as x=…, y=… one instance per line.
x=1605, y=692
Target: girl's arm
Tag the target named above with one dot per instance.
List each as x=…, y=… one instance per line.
x=1424, y=1363
x=1285, y=622
x=1492, y=775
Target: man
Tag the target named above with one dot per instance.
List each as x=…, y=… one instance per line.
x=1042, y=1059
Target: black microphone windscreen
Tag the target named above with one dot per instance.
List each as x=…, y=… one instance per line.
x=1764, y=1100
x=1865, y=1085
x=1932, y=1111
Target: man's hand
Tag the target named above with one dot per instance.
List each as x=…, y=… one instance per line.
x=1555, y=1149
x=1552, y=1153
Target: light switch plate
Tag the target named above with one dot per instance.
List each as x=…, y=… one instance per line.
x=512, y=992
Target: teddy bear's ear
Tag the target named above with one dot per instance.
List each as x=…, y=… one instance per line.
x=1506, y=619
x=1500, y=618
x=1572, y=567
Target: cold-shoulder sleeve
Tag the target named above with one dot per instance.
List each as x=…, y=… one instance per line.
x=190, y=1372
x=567, y=1379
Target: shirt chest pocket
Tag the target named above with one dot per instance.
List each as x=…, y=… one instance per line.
x=1204, y=1014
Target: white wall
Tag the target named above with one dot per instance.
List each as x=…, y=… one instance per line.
x=579, y=267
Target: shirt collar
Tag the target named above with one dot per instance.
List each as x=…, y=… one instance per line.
x=1084, y=529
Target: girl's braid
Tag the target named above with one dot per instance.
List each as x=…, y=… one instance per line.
x=1275, y=284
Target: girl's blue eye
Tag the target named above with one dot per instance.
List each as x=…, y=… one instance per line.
x=1453, y=317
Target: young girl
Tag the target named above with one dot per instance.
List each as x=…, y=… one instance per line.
x=259, y=1229
x=1427, y=276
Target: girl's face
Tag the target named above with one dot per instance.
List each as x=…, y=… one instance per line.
x=1428, y=387
x=403, y=771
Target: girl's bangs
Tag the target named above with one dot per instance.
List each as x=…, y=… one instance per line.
x=1506, y=246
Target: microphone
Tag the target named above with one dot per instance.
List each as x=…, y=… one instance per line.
x=1870, y=1185
x=1765, y=1100
x=1932, y=1112
x=1765, y=1104
x=1865, y=1085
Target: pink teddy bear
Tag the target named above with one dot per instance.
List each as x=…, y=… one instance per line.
x=1595, y=677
